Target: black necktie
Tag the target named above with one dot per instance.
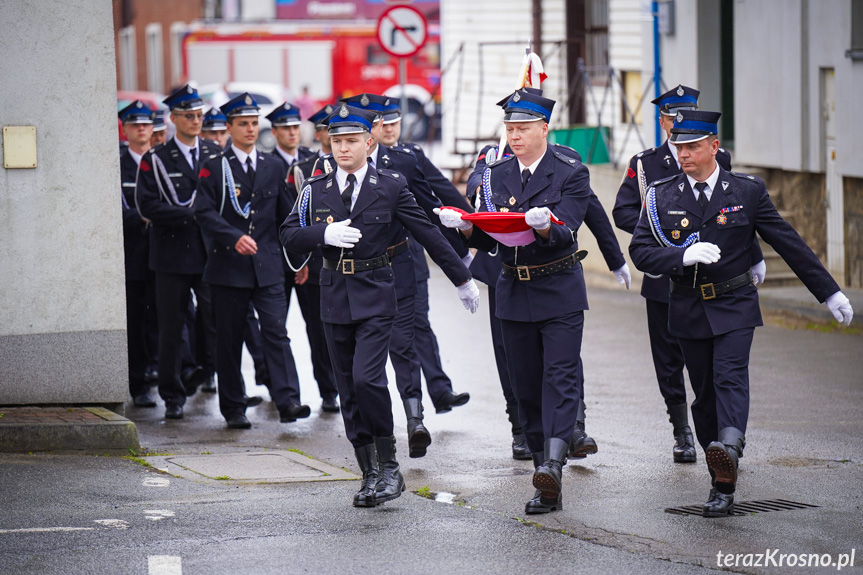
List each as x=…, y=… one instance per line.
x=194, y=153
x=702, y=197
x=250, y=171
x=349, y=191
x=525, y=176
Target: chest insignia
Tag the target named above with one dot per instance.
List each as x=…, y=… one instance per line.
x=329, y=219
x=721, y=219
x=511, y=200
x=675, y=234
x=681, y=186
x=684, y=223
x=725, y=185
x=730, y=209
x=504, y=209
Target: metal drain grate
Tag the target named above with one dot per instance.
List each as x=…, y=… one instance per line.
x=747, y=507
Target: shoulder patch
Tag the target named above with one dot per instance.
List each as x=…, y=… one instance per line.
x=646, y=152
x=664, y=180
x=564, y=158
x=739, y=175
x=502, y=161
x=389, y=173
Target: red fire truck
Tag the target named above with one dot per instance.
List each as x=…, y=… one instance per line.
x=332, y=60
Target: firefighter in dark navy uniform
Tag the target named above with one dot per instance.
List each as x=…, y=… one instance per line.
x=286, y=122
x=698, y=228
x=243, y=199
x=165, y=195
x=438, y=383
x=355, y=214
x=656, y=164
x=541, y=295
x=137, y=122
x=486, y=268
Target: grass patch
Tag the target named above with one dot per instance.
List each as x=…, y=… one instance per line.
x=223, y=478
x=426, y=492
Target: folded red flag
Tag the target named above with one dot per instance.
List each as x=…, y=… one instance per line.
x=509, y=228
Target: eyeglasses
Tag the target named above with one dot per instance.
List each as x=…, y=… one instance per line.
x=193, y=117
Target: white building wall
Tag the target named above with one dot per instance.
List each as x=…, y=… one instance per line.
x=62, y=298
x=469, y=95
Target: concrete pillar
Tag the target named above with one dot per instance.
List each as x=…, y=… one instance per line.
x=62, y=298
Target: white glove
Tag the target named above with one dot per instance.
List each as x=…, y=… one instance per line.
x=466, y=260
x=701, y=253
x=623, y=276
x=341, y=235
x=468, y=293
x=840, y=307
x=759, y=272
x=452, y=219
x=538, y=218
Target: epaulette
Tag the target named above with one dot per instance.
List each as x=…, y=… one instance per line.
x=663, y=180
x=739, y=175
x=406, y=151
x=305, y=149
x=391, y=174
x=311, y=179
x=502, y=161
x=564, y=158
x=412, y=146
x=646, y=152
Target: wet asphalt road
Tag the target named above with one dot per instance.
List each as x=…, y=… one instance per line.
x=77, y=514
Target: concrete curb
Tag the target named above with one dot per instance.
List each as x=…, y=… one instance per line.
x=33, y=428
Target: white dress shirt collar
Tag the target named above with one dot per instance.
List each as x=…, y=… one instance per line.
x=710, y=181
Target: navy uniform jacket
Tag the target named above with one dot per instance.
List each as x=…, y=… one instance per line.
x=658, y=164
x=406, y=162
x=486, y=268
x=561, y=184
x=269, y=207
x=176, y=245
x=384, y=208
x=306, y=162
x=738, y=207
x=136, y=232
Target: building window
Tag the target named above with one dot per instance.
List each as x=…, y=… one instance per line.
x=128, y=59
x=155, y=60
x=178, y=32
x=856, y=51
x=596, y=40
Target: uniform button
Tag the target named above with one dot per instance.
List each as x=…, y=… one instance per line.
x=703, y=226
x=253, y=211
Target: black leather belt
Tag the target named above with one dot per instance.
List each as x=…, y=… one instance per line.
x=400, y=247
x=350, y=267
x=526, y=273
x=710, y=291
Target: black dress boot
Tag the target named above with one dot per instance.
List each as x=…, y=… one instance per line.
x=368, y=462
x=547, y=477
x=390, y=481
x=519, y=443
x=581, y=444
x=540, y=504
x=722, y=455
x=719, y=504
x=419, y=437
x=684, y=443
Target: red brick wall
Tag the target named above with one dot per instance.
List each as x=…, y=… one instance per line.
x=143, y=12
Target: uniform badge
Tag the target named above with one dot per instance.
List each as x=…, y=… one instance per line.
x=189, y=89
x=679, y=117
x=364, y=100
x=667, y=159
x=343, y=113
x=684, y=223
x=516, y=97
x=504, y=210
x=511, y=201
x=328, y=109
x=725, y=185
x=317, y=219
x=248, y=100
x=329, y=219
x=387, y=103
x=675, y=234
x=721, y=219
x=237, y=192
x=680, y=90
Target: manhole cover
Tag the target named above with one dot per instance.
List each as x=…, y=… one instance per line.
x=747, y=507
x=253, y=467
